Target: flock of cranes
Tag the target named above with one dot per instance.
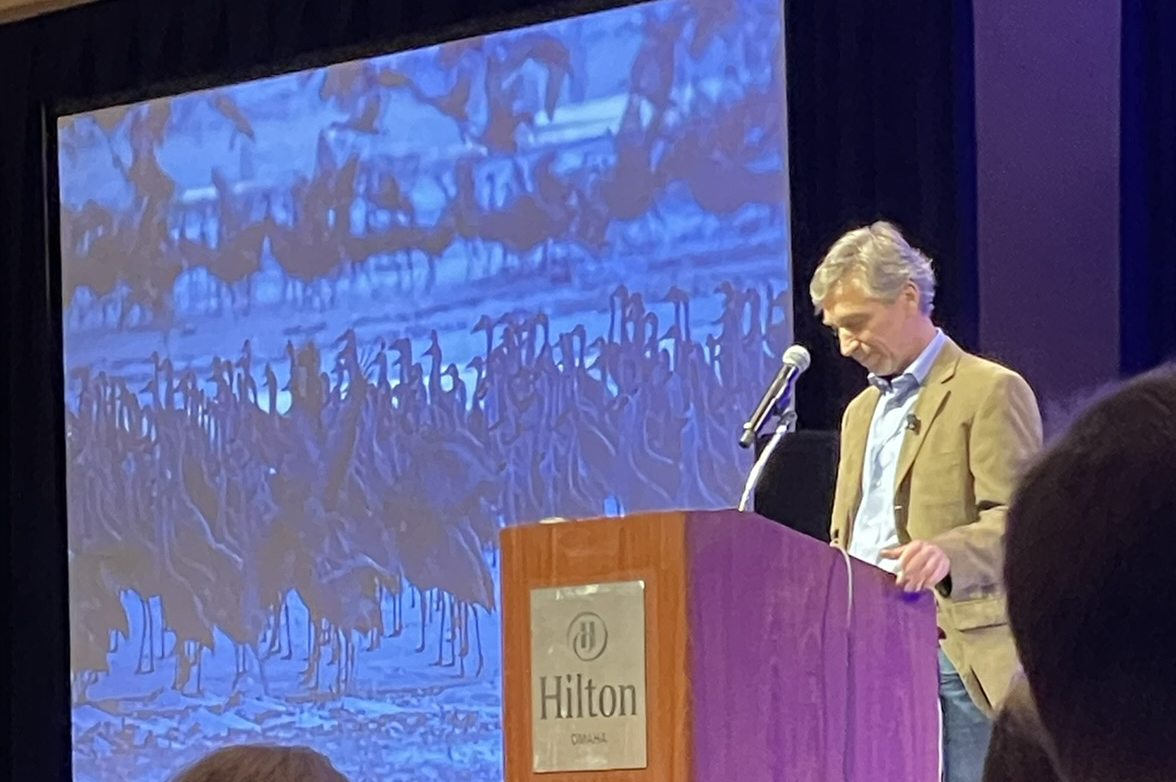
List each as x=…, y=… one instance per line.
x=508, y=200
x=376, y=495
x=386, y=480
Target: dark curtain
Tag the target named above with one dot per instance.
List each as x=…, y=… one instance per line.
x=881, y=124
x=1147, y=281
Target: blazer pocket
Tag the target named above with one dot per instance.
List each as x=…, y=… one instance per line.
x=977, y=613
x=943, y=455
x=926, y=520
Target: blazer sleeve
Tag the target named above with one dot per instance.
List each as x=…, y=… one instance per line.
x=1005, y=436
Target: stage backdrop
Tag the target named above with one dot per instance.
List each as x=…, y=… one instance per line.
x=327, y=332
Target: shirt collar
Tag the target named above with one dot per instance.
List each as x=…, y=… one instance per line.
x=918, y=370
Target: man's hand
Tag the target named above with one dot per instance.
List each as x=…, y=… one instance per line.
x=921, y=565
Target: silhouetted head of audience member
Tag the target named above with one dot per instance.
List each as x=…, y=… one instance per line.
x=261, y=763
x=1090, y=567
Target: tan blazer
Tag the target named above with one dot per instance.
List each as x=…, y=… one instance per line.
x=1021, y=749
x=979, y=426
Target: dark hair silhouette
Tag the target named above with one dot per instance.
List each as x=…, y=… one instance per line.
x=261, y=763
x=1091, y=579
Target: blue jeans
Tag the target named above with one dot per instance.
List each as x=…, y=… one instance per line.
x=966, y=731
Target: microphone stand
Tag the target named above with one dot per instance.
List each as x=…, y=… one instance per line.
x=786, y=425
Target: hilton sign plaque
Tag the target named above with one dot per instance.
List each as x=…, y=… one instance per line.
x=588, y=702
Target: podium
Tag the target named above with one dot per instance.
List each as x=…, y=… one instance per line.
x=710, y=646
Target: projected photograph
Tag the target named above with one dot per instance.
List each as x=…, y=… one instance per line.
x=327, y=333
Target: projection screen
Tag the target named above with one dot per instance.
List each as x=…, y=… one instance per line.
x=326, y=333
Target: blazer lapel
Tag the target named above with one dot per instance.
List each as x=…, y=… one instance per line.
x=927, y=407
x=857, y=432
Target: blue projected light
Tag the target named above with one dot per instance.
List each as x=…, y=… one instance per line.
x=326, y=333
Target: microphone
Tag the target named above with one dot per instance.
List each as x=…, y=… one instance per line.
x=795, y=361
x=913, y=424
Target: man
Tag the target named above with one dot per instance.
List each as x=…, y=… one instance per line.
x=1091, y=585
x=930, y=453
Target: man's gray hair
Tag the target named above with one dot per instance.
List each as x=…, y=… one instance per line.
x=883, y=259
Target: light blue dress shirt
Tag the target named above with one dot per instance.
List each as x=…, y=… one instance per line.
x=874, y=527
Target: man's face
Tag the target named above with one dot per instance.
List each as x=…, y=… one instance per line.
x=872, y=332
